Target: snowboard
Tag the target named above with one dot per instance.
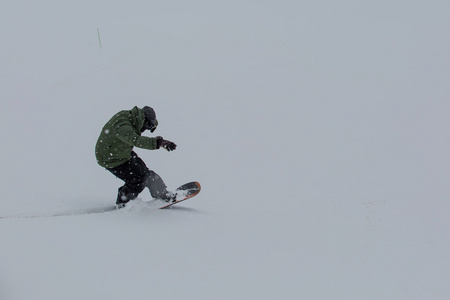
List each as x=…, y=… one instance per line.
x=185, y=192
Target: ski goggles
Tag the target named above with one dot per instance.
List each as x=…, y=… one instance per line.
x=152, y=124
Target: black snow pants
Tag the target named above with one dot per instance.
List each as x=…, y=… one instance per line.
x=137, y=177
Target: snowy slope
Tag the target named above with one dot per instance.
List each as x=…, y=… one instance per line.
x=317, y=130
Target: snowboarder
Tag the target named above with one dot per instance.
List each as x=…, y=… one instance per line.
x=114, y=151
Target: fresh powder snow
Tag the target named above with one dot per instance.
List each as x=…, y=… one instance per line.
x=318, y=131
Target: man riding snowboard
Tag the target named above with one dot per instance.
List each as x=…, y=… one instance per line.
x=114, y=151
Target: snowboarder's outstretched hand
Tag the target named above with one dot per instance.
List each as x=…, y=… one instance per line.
x=168, y=145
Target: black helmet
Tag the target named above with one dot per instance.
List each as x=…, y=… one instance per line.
x=150, y=122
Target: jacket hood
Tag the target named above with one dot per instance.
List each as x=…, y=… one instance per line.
x=137, y=118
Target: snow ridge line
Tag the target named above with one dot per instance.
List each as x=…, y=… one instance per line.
x=66, y=214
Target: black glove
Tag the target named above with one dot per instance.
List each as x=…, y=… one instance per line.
x=168, y=145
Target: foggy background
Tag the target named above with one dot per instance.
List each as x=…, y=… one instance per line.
x=318, y=131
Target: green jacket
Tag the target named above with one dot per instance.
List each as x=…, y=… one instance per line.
x=119, y=136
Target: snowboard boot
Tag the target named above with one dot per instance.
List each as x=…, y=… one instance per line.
x=168, y=197
x=158, y=188
x=124, y=196
x=120, y=205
